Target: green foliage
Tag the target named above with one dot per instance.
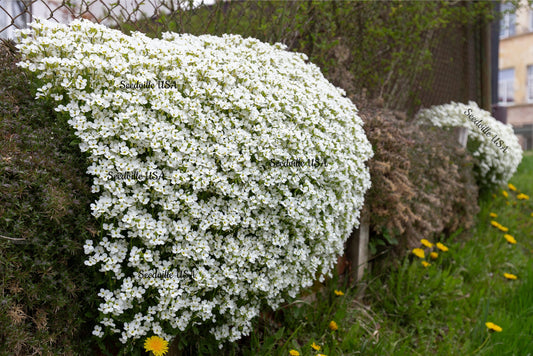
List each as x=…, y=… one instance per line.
x=47, y=292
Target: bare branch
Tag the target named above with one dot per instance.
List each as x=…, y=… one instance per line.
x=12, y=238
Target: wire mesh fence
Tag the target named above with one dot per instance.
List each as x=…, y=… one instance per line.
x=421, y=68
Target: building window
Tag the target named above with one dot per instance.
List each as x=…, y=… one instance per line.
x=530, y=83
x=508, y=21
x=505, y=86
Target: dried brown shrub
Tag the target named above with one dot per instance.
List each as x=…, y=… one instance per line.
x=422, y=180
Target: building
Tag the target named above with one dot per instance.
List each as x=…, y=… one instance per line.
x=515, y=77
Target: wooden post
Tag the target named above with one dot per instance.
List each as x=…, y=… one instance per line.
x=173, y=349
x=357, y=249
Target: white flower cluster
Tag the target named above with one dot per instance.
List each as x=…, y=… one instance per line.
x=206, y=115
x=494, y=144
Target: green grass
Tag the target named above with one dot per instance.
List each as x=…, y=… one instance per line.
x=412, y=310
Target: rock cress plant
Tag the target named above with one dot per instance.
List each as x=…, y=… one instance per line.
x=239, y=233
x=494, y=144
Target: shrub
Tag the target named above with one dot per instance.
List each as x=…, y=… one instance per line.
x=422, y=181
x=494, y=144
x=47, y=292
x=236, y=230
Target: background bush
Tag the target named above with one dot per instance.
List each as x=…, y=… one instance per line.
x=46, y=289
x=422, y=180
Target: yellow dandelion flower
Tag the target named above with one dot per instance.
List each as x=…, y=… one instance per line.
x=522, y=196
x=493, y=215
x=495, y=223
x=294, y=353
x=426, y=243
x=434, y=255
x=321, y=355
x=503, y=228
x=509, y=276
x=157, y=345
x=315, y=346
x=442, y=247
x=505, y=194
x=338, y=292
x=511, y=187
x=419, y=252
x=509, y=238
x=333, y=325
x=492, y=326
x=426, y=264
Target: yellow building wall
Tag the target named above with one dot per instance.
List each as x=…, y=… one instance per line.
x=517, y=52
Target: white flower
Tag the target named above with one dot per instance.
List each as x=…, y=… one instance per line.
x=493, y=143
x=97, y=331
x=205, y=205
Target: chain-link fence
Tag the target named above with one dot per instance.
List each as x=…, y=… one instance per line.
x=375, y=47
x=456, y=71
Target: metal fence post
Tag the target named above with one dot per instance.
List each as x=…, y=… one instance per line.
x=462, y=135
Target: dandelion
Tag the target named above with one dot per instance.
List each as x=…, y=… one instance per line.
x=294, y=353
x=426, y=264
x=509, y=238
x=338, y=292
x=505, y=194
x=511, y=187
x=434, y=255
x=157, y=345
x=503, y=228
x=492, y=326
x=426, y=243
x=509, y=276
x=333, y=325
x=495, y=223
x=493, y=215
x=419, y=252
x=320, y=355
x=442, y=247
x=522, y=196
x=315, y=346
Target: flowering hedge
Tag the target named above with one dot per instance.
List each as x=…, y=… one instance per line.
x=494, y=144
x=181, y=133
